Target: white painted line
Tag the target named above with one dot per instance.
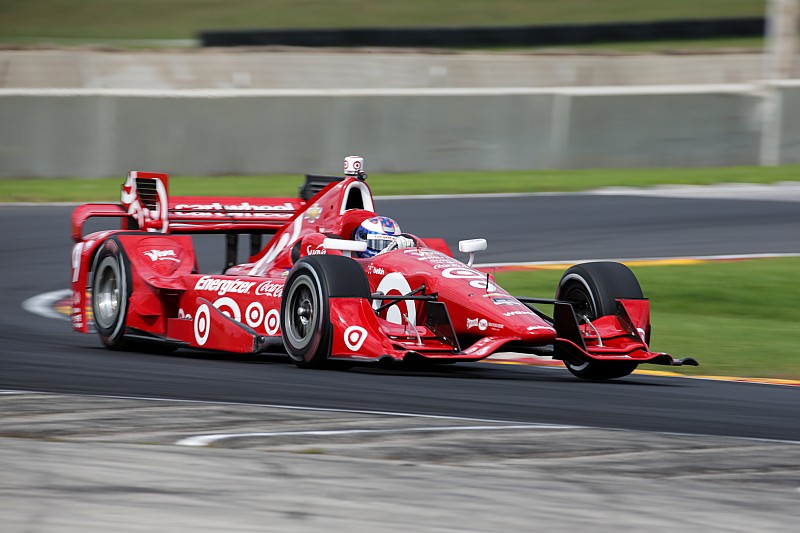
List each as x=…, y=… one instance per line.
x=505, y=424
x=42, y=304
x=206, y=440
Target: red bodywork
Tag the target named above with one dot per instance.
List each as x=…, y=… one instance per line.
x=239, y=310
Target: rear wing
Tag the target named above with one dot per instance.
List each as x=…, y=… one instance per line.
x=146, y=205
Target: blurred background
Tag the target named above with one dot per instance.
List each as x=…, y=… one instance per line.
x=97, y=87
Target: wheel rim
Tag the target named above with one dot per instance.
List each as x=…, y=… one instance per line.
x=301, y=312
x=107, y=297
x=581, y=301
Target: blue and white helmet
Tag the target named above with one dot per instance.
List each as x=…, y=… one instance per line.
x=378, y=233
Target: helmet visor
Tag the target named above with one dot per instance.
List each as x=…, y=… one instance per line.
x=378, y=242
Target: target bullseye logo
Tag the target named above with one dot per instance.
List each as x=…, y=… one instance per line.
x=254, y=314
x=202, y=325
x=272, y=322
x=232, y=310
x=354, y=337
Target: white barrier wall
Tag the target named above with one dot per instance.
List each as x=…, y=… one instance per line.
x=67, y=133
x=788, y=122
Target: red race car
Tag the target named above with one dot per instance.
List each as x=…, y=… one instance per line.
x=335, y=282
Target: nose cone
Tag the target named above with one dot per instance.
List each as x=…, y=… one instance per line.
x=539, y=334
x=516, y=318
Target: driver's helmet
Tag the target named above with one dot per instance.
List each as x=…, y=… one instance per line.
x=378, y=233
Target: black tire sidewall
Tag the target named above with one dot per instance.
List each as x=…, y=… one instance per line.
x=332, y=276
x=604, y=282
x=111, y=255
x=308, y=353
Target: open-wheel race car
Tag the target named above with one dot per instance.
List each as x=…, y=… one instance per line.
x=335, y=283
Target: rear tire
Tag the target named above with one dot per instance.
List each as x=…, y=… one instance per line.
x=592, y=289
x=110, y=293
x=305, y=307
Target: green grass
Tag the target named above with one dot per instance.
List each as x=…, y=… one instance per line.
x=181, y=19
x=107, y=189
x=736, y=318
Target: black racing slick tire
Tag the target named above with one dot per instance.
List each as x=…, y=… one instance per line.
x=111, y=289
x=592, y=289
x=305, y=306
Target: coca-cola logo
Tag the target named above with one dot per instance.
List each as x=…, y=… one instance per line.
x=270, y=288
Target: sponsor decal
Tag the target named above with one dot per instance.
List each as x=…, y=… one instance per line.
x=375, y=270
x=77, y=250
x=475, y=323
x=515, y=313
x=354, y=337
x=506, y=300
x=395, y=283
x=202, y=325
x=319, y=250
x=145, y=217
x=233, y=311
x=452, y=268
x=313, y=213
x=287, y=238
x=482, y=324
x=476, y=279
x=254, y=314
x=162, y=255
x=242, y=210
x=534, y=328
x=270, y=288
x=224, y=286
x=272, y=322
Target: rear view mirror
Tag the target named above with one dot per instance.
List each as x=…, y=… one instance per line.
x=470, y=246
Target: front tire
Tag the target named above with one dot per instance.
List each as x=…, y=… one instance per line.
x=305, y=307
x=592, y=289
x=110, y=293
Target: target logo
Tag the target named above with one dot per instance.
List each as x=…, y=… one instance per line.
x=272, y=322
x=396, y=283
x=229, y=308
x=254, y=314
x=202, y=325
x=354, y=337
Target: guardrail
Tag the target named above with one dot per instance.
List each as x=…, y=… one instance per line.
x=95, y=132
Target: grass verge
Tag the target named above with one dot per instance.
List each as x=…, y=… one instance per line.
x=181, y=19
x=473, y=182
x=735, y=317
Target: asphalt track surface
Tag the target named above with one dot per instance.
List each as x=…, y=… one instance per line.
x=42, y=354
